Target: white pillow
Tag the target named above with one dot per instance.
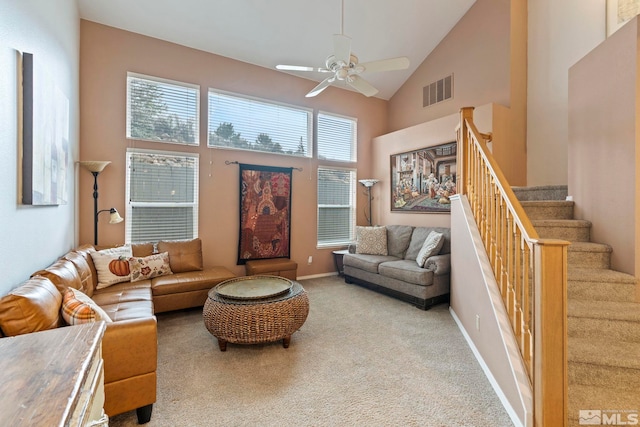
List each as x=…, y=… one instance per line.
x=371, y=240
x=150, y=266
x=431, y=246
x=112, y=265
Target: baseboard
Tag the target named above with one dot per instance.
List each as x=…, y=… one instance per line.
x=317, y=276
x=505, y=402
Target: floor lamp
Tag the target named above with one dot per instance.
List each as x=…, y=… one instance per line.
x=368, y=183
x=95, y=167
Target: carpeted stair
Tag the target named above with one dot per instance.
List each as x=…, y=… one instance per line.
x=603, y=315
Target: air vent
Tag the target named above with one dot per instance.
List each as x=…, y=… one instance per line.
x=437, y=91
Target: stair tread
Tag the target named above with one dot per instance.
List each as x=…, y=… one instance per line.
x=612, y=310
x=546, y=203
x=585, y=397
x=589, y=247
x=560, y=223
x=604, y=352
x=598, y=275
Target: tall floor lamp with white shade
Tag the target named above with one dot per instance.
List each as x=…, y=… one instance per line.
x=95, y=167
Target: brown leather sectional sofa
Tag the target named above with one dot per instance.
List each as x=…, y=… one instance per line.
x=129, y=346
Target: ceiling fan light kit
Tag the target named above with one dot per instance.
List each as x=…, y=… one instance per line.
x=344, y=66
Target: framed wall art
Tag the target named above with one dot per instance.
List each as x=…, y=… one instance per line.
x=619, y=12
x=45, y=136
x=423, y=180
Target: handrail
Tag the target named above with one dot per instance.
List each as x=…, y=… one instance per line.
x=531, y=273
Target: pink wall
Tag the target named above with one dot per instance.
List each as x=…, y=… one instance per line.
x=477, y=52
x=107, y=54
x=603, y=141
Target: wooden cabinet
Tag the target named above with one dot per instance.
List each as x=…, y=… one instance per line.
x=53, y=378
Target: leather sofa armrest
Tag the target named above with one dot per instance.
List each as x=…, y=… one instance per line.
x=439, y=264
x=130, y=348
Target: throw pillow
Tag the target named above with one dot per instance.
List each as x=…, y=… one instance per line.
x=149, y=267
x=431, y=246
x=371, y=240
x=112, y=265
x=78, y=308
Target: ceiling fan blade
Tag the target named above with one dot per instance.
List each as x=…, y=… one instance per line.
x=301, y=68
x=342, y=48
x=322, y=86
x=361, y=85
x=390, y=64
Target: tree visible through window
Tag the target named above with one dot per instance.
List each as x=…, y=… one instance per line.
x=250, y=124
x=159, y=110
x=162, y=196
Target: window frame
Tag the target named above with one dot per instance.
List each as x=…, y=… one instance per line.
x=309, y=131
x=129, y=205
x=161, y=80
x=354, y=137
x=352, y=206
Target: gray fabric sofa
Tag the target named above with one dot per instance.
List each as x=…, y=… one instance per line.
x=398, y=274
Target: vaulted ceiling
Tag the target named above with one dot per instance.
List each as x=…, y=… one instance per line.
x=299, y=32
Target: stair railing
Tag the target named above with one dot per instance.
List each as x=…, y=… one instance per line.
x=531, y=272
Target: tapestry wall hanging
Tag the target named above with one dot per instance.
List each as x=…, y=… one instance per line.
x=423, y=180
x=265, y=212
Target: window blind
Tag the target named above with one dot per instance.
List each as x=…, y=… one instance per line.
x=162, y=194
x=336, y=206
x=336, y=137
x=162, y=110
x=258, y=125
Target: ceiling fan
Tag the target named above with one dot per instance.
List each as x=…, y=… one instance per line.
x=344, y=66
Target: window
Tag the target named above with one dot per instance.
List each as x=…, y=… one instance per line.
x=162, y=196
x=336, y=206
x=336, y=137
x=162, y=110
x=259, y=125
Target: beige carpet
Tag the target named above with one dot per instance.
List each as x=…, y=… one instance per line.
x=361, y=359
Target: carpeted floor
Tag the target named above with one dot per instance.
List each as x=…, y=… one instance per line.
x=361, y=359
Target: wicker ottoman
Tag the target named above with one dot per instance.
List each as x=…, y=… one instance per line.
x=255, y=320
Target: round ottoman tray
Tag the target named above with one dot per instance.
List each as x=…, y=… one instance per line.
x=253, y=287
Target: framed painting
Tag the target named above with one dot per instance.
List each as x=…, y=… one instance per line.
x=619, y=12
x=45, y=136
x=423, y=180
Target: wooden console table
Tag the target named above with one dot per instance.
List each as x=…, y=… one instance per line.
x=53, y=378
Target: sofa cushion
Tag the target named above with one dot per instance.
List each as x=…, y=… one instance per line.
x=141, y=250
x=123, y=292
x=368, y=263
x=33, y=306
x=184, y=255
x=189, y=281
x=77, y=308
x=112, y=265
x=420, y=234
x=63, y=274
x=398, y=238
x=406, y=271
x=371, y=240
x=149, y=267
x=84, y=271
x=431, y=246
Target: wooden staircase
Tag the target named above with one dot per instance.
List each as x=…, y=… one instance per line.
x=603, y=313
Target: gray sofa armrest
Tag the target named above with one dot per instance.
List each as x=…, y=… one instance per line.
x=439, y=264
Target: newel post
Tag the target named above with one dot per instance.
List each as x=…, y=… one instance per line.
x=550, y=383
x=466, y=113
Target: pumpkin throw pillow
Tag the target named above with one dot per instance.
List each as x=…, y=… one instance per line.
x=371, y=240
x=149, y=267
x=78, y=308
x=431, y=246
x=112, y=265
